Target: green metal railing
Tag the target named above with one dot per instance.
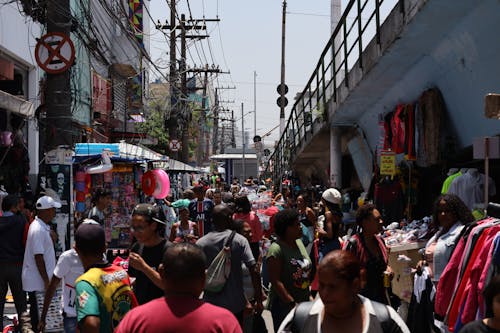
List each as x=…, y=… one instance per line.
x=360, y=21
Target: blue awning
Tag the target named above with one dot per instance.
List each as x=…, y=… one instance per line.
x=119, y=152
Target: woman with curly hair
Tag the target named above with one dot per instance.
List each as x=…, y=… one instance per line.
x=450, y=214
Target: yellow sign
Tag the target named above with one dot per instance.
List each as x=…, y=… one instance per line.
x=387, y=163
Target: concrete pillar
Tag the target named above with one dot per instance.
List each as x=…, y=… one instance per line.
x=335, y=158
x=335, y=15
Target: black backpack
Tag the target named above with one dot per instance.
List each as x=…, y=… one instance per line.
x=381, y=311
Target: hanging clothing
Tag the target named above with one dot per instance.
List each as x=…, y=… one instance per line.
x=459, y=313
x=470, y=188
x=471, y=304
x=420, y=315
x=398, y=130
x=410, y=152
x=389, y=200
x=490, y=269
x=448, y=181
x=430, y=112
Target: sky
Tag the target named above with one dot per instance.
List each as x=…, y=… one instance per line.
x=248, y=39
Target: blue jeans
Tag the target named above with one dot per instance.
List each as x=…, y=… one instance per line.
x=70, y=324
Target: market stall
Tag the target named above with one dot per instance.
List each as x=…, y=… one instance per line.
x=123, y=180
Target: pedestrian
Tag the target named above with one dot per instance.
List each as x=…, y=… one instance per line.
x=200, y=210
x=339, y=307
x=68, y=268
x=39, y=256
x=369, y=248
x=329, y=223
x=170, y=217
x=244, y=211
x=288, y=266
x=12, y=227
x=184, y=230
x=180, y=310
x=232, y=297
x=243, y=228
x=101, y=200
x=308, y=220
x=146, y=254
x=217, y=197
x=451, y=214
x=103, y=293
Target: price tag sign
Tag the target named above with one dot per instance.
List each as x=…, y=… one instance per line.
x=387, y=163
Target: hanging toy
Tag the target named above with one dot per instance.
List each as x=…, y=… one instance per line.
x=104, y=166
x=162, y=184
x=148, y=183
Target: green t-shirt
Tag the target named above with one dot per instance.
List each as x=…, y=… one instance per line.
x=448, y=181
x=295, y=271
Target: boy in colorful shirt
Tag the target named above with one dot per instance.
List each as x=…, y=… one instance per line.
x=103, y=293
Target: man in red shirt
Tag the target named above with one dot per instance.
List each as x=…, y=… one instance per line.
x=181, y=310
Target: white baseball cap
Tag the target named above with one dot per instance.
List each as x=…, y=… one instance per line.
x=47, y=202
x=332, y=195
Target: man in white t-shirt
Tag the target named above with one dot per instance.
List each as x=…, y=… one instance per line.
x=68, y=269
x=39, y=256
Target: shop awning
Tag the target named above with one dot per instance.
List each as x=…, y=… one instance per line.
x=233, y=156
x=174, y=165
x=119, y=151
x=16, y=104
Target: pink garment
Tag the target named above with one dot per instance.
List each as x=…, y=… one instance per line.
x=252, y=219
x=448, y=280
x=460, y=294
x=482, y=280
x=471, y=289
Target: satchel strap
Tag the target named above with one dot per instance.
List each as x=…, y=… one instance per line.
x=229, y=240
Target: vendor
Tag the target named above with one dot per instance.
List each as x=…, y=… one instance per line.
x=370, y=249
x=101, y=200
x=451, y=214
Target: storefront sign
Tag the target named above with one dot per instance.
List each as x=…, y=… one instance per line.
x=387, y=163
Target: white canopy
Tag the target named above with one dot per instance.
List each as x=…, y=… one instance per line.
x=16, y=104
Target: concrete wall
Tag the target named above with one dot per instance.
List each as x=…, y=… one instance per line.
x=17, y=42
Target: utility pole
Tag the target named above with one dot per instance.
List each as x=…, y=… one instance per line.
x=243, y=140
x=233, y=138
x=206, y=70
x=185, y=115
x=172, y=122
x=216, y=123
x=282, y=92
x=59, y=129
x=175, y=127
x=215, y=141
x=254, y=103
x=201, y=136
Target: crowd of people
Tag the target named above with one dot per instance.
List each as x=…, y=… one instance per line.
x=207, y=263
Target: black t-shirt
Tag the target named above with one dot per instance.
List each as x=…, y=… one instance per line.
x=145, y=290
x=477, y=327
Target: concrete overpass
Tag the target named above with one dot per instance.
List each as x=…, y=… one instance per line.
x=448, y=44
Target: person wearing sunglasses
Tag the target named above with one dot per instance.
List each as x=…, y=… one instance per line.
x=146, y=254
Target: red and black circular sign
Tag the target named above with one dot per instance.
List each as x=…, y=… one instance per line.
x=55, y=52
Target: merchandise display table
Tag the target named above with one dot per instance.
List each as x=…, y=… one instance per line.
x=402, y=284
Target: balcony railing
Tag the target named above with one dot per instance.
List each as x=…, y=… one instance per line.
x=360, y=22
